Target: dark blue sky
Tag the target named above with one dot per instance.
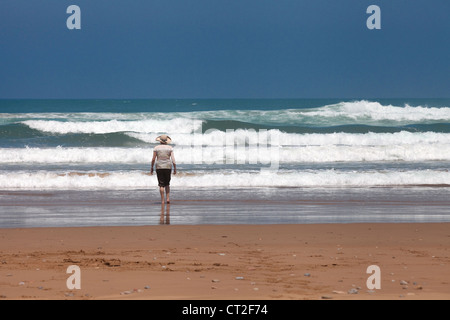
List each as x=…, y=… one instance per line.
x=224, y=49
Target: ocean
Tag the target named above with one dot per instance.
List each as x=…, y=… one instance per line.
x=86, y=162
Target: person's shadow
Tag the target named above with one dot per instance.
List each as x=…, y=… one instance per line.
x=165, y=213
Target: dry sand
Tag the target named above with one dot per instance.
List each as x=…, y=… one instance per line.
x=322, y=261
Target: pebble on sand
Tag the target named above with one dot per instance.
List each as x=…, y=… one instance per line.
x=338, y=292
x=352, y=291
x=126, y=292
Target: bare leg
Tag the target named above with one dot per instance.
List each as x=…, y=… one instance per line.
x=168, y=194
x=161, y=191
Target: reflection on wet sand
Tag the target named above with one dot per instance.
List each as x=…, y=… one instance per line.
x=165, y=213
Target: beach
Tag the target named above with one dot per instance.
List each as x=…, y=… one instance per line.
x=309, y=154
x=274, y=199
x=238, y=262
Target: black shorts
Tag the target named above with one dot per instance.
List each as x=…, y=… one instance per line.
x=164, y=176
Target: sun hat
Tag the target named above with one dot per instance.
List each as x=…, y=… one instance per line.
x=164, y=139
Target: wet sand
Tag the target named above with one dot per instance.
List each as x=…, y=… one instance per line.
x=202, y=262
x=243, y=206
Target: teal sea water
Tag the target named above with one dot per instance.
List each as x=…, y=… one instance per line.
x=283, y=152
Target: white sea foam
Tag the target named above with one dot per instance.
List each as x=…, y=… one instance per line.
x=179, y=125
x=432, y=147
x=249, y=137
x=138, y=180
x=367, y=112
x=356, y=112
x=75, y=155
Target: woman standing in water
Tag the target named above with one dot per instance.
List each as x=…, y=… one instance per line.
x=164, y=157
